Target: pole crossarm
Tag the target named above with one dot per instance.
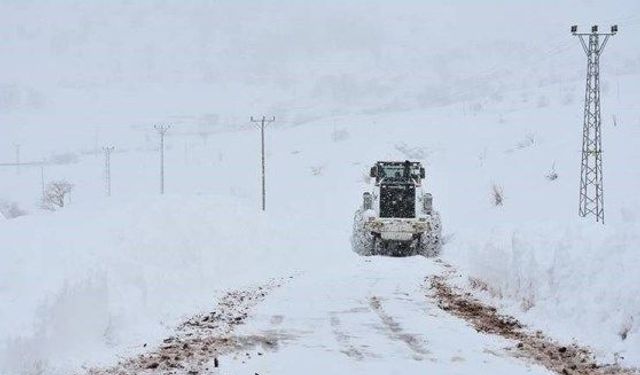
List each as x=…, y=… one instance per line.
x=263, y=120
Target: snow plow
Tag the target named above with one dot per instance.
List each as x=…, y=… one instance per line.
x=397, y=217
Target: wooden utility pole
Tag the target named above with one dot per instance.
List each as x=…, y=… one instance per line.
x=262, y=122
x=107, y=168
x=162, y=130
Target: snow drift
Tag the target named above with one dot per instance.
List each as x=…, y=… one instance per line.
x=91, y=284
x=578, y=281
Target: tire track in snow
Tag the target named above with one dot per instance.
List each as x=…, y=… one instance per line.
x=394, y=331
x=344, y=339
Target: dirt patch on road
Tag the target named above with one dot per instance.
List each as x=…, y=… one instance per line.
x=199, y=341
x=561, y=359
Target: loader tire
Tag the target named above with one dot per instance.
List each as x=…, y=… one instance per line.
x=430, y=243
x=362, y=241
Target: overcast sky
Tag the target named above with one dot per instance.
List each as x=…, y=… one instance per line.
x=76, y=62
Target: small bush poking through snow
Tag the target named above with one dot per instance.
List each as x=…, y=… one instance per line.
x=56, y=194
x=317, y=170
x=528, y=141
x=625, y=328
x=552, y=175
x=497, y=194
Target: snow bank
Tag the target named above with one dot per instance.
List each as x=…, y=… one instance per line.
x=576, y=281
x=84, y=286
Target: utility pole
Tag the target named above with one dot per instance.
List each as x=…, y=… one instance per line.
x=262, y=122
x=162, y=130
x=591, y=188
x=107, y=168
x=17, y=146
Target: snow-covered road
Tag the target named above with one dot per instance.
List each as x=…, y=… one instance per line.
x=372, y=316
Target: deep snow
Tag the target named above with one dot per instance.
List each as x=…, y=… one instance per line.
x=105, y=275
x=95, y=281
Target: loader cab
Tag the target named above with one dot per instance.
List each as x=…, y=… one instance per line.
x=398, y=181
x=398, y=171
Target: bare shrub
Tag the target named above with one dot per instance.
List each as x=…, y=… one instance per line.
x=56, y=194
x=527, y=303
x=528, y=141
x=552, y=175
x=317, y=170
x=497, y=194
x=625, y=328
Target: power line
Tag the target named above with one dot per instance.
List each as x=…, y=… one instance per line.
x=591, y=184
x=262, y=122
x=162, y=130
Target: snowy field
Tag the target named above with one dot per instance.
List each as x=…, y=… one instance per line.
x=89, y=284
x=92, y=281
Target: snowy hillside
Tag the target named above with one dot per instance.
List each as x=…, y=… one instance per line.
x=125, y=268
x=484, y=108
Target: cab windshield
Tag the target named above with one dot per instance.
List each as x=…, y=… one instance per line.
x=396, y=171
x=392, y=171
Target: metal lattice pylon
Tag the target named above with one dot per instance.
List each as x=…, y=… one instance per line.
x=591, y=186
